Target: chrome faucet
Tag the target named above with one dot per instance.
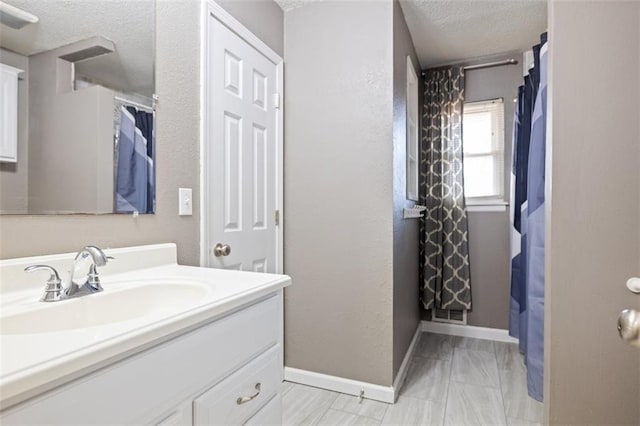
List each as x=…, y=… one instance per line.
x=83, y=279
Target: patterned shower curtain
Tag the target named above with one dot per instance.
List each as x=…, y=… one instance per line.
x=444, y=252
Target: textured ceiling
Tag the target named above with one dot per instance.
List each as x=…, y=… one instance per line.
x=293, y=4
x=130, y=25
x=456, y=30
x=449, y=31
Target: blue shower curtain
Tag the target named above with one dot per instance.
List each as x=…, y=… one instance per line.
x=144, y=122
x=526, y=319
x=522, y=128
x=135, y=176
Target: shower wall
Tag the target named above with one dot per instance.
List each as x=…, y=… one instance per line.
x=489, y=251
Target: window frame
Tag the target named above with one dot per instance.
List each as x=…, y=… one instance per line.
x=496, y=108
x=412, y=99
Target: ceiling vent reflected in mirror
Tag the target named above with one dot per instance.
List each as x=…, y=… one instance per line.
x=14, y=17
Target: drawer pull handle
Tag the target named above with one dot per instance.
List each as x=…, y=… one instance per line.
x=244, y=399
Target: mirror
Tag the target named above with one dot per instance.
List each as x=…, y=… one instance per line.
x=78, y=107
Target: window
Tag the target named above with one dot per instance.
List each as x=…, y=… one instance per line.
x=412, y=132
x=483, y=144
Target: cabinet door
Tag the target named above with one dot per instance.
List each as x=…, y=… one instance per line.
x=237, y=398
x=270, y=415
x=9, y=113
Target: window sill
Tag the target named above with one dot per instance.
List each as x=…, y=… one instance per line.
x=487, y=206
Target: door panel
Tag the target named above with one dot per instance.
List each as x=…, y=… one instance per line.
x=232, y=172
x=260, y=178
x=242, y=160
x=593, y=239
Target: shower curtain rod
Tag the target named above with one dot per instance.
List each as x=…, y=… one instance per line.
x=489, y=65
x=492, y=64
x=135, y=104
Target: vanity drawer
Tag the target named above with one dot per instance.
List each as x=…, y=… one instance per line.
x=181, y=416
x=223, y=405
x=138, y=389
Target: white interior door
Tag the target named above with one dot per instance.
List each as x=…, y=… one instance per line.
x=242, y=161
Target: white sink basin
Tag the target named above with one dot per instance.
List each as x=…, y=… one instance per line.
x=147, y=299
x=104, y=308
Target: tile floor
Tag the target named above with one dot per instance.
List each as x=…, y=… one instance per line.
x=451, y=381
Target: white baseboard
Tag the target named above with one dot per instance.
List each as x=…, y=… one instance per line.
x=404, y=367
x=339, y=384
x=387, y=394
x=496, y=334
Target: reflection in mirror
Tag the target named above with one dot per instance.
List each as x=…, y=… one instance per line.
x=78, y=107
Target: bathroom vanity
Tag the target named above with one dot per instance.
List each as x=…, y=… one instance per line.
x=163, y=344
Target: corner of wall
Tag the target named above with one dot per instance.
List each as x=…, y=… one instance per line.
x=338, y=134
x=406, y=307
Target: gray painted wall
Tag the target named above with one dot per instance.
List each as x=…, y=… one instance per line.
x=14, y=177
x=489, y=251
x=178, y=132
x=593, y=212
x=406, y=306
x=339, y=189
x=489, y=256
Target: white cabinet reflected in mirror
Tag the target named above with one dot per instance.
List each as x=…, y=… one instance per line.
x=84, y=110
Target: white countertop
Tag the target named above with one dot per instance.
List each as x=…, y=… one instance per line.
x=36, y=362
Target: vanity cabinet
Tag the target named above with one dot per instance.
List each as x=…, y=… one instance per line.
x=227, y=371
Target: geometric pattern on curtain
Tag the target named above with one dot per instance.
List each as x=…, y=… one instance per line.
x=444, y=252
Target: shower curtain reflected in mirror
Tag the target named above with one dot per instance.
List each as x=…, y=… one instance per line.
x=135, y=172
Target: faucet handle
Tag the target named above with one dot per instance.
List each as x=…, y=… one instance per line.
x=53, y=288
x=54, y=274
x=92, y=278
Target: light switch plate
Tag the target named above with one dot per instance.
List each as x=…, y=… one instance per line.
x=185, y=201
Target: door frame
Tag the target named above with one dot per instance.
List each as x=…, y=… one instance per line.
x=212, y=9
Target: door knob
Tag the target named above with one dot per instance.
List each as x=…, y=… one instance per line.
x=629, y=319
x=221, y=250
x=629, y=326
